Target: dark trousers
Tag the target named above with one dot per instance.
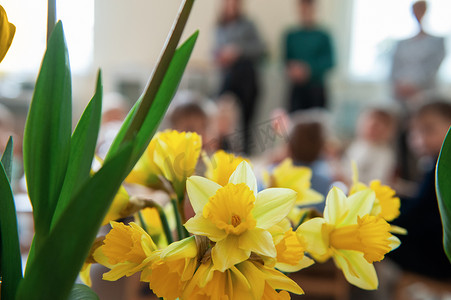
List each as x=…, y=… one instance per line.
x=307, y=96
x=241, y=80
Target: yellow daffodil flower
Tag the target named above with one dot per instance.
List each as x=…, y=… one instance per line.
x=172, y=268
x=221, y=165
x=297, y=178
x=350, y=235
x=7, y=31
x=146, y=172
x=386, y=205
x=153, y=225
x=126, y=250
x=176, y=154
x=236, y=217
x=247, y=280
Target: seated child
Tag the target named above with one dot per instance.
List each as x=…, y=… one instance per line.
x=372, y=149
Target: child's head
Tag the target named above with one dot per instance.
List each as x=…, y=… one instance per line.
x=307, y=12
x=306, y=141
x=376, y=125
x=189, y=117
x=429, y=127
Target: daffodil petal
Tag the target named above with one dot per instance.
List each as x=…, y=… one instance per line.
x=226, y=253
x=310, y=197
x=244, y=174
x=272, y=205
x=335, y=206
x=85, y=274
x=394, y=242
x=302, y=264
x=254, y=276
x=7, y=31
x=185, y=248
x=199, y=190
x=279, y=281
x=356, y=269
x=259, y=241
x=397, y=230
x=312, y=232
x=359, y=204
x=202, y=226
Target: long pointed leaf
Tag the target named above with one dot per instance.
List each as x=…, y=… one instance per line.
x=7, y=158
x=443, y=185
x=48, y=131
x=52, y=272
x=83, y=145
x=11, y=264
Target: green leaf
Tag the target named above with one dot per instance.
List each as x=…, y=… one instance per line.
x=47, y=132
x=10, y=262
x=82, y=292
x=159, y=106
x=83, y=146
x=56, y=264
x=443, y=186
x=7, y=158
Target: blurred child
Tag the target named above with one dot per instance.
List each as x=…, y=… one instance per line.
x=305, y=146
x=372, y=150
x=421, y=251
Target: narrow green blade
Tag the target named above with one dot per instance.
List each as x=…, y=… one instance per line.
x=443, y=186
x=7, y=158
x=47, y=132
x=83, y=146
x=55, y=266
x=10, y=262
x=82, y=292
x=159, y=106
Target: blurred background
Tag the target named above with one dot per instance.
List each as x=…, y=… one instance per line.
x=322, y=82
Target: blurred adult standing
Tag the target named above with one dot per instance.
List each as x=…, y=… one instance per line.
x=416, y=60
x=308, y=57
x=238, y=49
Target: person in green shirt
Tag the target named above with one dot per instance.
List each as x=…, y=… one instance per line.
x=308, y=57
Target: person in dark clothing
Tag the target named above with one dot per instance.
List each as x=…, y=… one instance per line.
x=238, y=49
x=308, y=57
x=421, y=250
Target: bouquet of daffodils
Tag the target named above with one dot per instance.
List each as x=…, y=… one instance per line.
x=241, y=242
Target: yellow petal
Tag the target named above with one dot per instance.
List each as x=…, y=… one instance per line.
x=398, y=230
x=85, y=274
x=305, y=262
x=309, y=197
x=312, y=233
x=272, y=206
x=199, y=190
x=394, y=242
x=356, y=269
x=202, y=226
x=279, y=281
x=244, y=174
x=255, y=278
x=226, y=253
x=7, y=31
x=259, y=241
x=359, y=204
x=336, y=206
x=185, y=248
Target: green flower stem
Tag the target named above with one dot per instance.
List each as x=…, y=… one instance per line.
x=178, y=218
x=143, y=223
x=164, y=222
